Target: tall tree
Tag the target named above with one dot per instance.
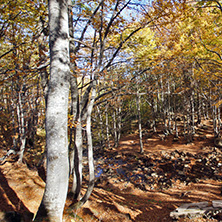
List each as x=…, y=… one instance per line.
x=54, y=198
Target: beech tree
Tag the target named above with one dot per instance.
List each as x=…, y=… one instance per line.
x=54, y=198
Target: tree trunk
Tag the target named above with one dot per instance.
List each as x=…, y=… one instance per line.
x=169, y=108
x=163, y=104
x=215, y=125
x=219, y=119
x=22, y=127
x=154, y=111
x=139, y=121
x=119, y=125
x=74, y=113
x=101, y=133
x=13, y=124
x=199, y=106
x=54, y=198
x=192, y=112
x=115, y=129
x=107, y=126
x=90, y=150
x=77, y=161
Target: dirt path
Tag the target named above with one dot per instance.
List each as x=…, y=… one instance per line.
x=115, y=199
x=122, y=196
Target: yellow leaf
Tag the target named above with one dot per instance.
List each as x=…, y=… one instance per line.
x=218, y=103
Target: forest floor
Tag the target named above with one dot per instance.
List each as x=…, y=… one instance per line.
x=131, y=186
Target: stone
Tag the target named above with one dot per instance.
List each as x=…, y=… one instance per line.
x=188, y=210
x=197, y=209
x=217, y=203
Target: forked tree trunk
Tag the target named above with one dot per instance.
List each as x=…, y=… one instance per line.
x=53, y=202
x=90, y=150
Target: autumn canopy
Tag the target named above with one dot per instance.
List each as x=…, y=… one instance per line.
x=78, y=74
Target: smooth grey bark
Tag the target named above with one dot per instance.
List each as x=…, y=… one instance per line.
x=192, y=106
x=75, y=136
x=117, y=124
x=21, y=126
x=77, y=161
x=219, y=119
x=169, y=108
x=139, y=121
x=83, y=111
x=192, y=112
x=13, y=123
x=155, y=106
x=75, y=144
x=154, y=112
x=54, y=197
x=119, y=119
x=88, y=115
x=115, y=129
x=199, y=106
x=73, y=113
x=215, y=121
x=163, y=104
x=175, y=116
x=101, y=133
x=107, y=126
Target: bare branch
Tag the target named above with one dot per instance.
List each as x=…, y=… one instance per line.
x=86, y=26
x=6, y=53
x=80, y=42
x=209, y=50
x=121, y=44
